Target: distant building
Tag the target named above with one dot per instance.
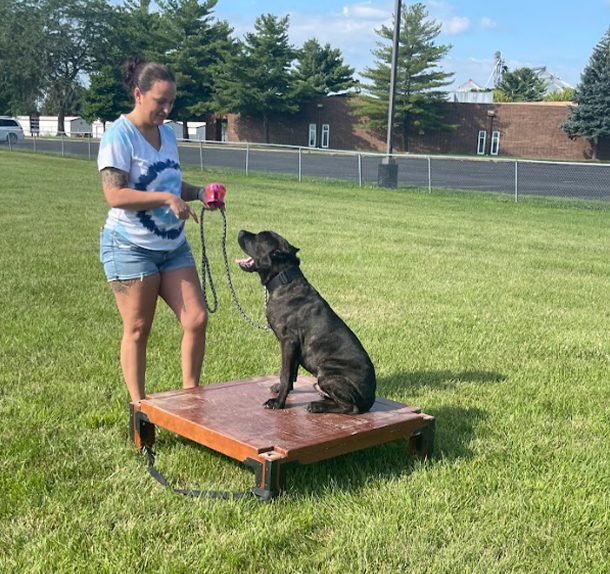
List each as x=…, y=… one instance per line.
x=553, y=83
x=47, y=125
x=471, y=93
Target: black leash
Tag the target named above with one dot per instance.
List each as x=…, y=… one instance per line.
x=206, y=276
x=206, y=272
x=217, y=494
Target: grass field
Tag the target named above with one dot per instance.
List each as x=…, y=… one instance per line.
x=489, y=315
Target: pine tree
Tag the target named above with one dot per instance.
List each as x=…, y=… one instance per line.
x=198, y=49
x=418, y=94
x=257, y=80
x=590, y=118
x=320, y=71
x=521, y=85
x=107, y=97
x=141, y=31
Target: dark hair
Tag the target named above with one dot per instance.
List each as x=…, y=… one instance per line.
x=137, y=72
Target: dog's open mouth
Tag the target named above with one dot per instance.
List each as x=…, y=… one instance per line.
x=246, y=264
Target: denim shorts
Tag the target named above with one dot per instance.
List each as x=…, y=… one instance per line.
x=123, y=260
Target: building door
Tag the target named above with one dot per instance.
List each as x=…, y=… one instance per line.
x=313, y=135
x=481, y=142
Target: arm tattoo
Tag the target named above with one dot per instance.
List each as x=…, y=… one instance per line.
x=189, y=192
x=113, y=177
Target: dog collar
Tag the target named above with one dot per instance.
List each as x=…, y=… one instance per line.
x=284, y=278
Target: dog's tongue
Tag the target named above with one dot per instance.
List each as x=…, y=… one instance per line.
x=247, y=262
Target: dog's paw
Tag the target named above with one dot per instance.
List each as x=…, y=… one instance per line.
x=275, y=388
x=273, y=404
x=316, y=407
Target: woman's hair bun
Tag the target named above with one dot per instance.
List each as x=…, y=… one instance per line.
x=129, y=70
x=137, y=72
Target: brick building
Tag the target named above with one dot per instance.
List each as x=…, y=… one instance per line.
x=528, y=130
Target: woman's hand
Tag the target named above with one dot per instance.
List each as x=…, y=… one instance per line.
x=181, y=209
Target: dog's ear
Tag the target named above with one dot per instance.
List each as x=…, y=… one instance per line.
x=289, y=256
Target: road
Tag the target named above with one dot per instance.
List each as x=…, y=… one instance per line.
x=552, y=179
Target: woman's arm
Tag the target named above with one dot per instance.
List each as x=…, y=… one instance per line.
x=192, y=192
x=114, y=183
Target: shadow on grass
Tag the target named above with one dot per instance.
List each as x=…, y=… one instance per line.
x=416, y=380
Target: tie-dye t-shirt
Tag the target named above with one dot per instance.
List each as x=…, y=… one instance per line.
x=124, y=147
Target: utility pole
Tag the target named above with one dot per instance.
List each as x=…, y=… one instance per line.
x=388, y=169
x=392, y=106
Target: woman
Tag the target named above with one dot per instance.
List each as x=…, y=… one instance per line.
x=142, y=245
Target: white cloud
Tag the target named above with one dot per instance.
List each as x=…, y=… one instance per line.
x=456, y=25
x=365, y=10
x=488, y=23
x=352, y=30
x=445, y=14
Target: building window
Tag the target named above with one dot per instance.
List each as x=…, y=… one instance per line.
x=325, y=135
x=481, y=143
x=495, y=143
x=313, y=135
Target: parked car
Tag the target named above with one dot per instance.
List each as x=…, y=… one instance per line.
x=10, y=130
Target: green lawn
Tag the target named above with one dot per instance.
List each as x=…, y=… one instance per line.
x=489, y=315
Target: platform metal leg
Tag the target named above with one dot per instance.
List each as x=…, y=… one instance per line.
x=270, y=471
x=421, y=441
x=141, y=430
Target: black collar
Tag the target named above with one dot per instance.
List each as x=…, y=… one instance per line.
x=284, y=278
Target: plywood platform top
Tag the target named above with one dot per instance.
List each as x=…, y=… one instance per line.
x=230, y=418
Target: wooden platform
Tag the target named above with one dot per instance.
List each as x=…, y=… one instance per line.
x=230, y=418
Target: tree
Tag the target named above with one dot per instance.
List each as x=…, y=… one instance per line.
x=77, y=32
x=107, y=96
x=136, y=30
x=522, y=85
x=590, y=117
x=320, y=71
x=141, y=32
x=419, y=98
x=256, y=80
x=199, y=48
x=22, y=49
x=564, y=95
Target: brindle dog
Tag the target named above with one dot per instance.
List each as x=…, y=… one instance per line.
x=310, y=333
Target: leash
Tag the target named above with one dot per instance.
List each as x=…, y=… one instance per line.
x=206, y=276
x=217, y=494
x=206, y=273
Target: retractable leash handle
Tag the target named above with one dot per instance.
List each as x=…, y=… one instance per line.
x=215, y=195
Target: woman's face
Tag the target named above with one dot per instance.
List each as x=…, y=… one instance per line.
x=155, y=105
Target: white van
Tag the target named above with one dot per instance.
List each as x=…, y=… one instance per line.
x=10, y=130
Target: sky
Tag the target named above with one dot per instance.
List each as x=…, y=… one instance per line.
x=558, y=34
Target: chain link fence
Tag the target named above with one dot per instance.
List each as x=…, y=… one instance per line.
x=589, y=182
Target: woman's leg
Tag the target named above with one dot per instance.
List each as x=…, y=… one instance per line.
x=181, y=290
x=136, y=300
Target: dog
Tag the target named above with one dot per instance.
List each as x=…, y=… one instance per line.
x=309, y=332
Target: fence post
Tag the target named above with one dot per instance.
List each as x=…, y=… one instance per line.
x=360, y=169
x=429, y=175
x=247, y=158
x=300, y=163
x=201, y=155
x=89, y=145
x=516, y=181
